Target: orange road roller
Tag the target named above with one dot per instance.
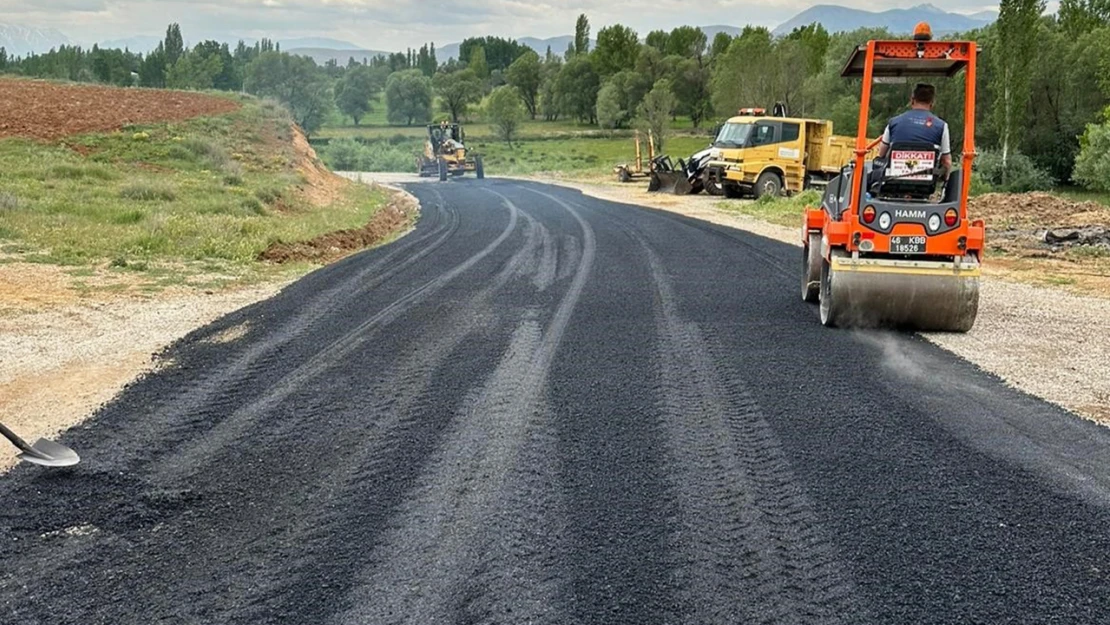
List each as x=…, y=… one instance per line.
x=891, y=244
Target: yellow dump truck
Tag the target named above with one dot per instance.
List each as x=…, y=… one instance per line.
x=758, y=155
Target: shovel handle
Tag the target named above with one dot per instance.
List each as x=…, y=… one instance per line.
x=18, y=442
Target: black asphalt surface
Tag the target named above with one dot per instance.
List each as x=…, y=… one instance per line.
x=540, y=407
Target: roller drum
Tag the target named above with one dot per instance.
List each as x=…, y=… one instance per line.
x=907, y=296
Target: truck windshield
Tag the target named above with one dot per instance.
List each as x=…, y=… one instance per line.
x=733, y=135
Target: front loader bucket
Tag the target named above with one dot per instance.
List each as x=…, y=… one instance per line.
x=666, y=181
x=908, y=295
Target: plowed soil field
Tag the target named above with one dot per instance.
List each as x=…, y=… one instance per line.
x=49, y=111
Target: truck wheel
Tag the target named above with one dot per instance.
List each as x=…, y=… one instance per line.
x=731, y=191
x=713, y=187
x=768, y=183
x=624, y=176
x=442, y=170
x=479, y=170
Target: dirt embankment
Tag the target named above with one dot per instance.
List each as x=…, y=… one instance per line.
x=389, y=221
x=50, y=111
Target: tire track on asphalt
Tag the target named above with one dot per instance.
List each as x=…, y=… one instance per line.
x=314, y=474
x=402, y=407
x=231, y=429
x=459, y=550
x=749, y=547
x=224, y=385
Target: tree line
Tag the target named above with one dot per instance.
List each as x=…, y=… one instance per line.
x=1043, y=82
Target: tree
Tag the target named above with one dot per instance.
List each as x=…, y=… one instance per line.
x=353, y=93
x=654, y=113
x=1016, y=29
x=477, y=62
x=609, y=111
x=408, y=97
x=152, y=71
x=616, y=50
x=227, y=78
x=505, y=112
x=651, y=66
x=734, y=83
x=582, y=35
x=577, y=88
x=631, y=87
x=814, y=40
x=194, y=71
x=691, y=90
x=1092, y=166
x=658, y=40
x=500, y=52
x=1082, y=16
x=526, y=76
x=720, y=44
x=294, y=80
x=426, y=59
x=174, y=45
x=458, y=90
x=687, y=42
x=551, y=103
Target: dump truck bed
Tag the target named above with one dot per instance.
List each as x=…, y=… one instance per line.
x=826, y=152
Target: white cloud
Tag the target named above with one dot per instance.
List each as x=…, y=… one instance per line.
x=396, y=24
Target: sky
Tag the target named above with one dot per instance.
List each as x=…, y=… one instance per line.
x=398, y=24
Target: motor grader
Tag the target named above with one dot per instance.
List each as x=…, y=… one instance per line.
x=445, y=154
x=885, y=248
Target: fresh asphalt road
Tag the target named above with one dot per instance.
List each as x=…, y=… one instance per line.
x=540, y=407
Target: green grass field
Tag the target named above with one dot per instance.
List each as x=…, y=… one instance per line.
x=562, y=146
x=204, y=196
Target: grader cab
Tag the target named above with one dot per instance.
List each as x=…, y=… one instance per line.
x=445, y=153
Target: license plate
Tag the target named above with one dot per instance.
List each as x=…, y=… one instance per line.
x=907, y=245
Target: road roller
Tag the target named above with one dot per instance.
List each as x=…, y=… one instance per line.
x=891, y=244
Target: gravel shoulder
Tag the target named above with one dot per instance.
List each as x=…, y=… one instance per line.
x=1042, y=340
x=67, y=356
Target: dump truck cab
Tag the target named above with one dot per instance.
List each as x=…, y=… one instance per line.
x=891, y=243
x=755, y=154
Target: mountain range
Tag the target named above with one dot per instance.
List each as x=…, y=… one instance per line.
x=838, y=19
x=21, y=40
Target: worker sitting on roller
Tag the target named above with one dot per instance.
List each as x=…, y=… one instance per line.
x=920, y=125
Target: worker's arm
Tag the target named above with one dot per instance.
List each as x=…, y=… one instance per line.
x=884, y=143
x=946, y=153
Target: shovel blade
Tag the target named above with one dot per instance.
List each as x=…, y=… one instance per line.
x=50, y=454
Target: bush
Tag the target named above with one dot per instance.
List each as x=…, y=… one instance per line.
x=80, y=172
x=1021, y=174
x=350, y=155
x=147, y=193
x=9, y=201
x=211, y=152
x=270, y=196
x=1092, y=166
x=344, y=154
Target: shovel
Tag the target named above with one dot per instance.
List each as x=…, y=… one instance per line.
x=44, y=452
